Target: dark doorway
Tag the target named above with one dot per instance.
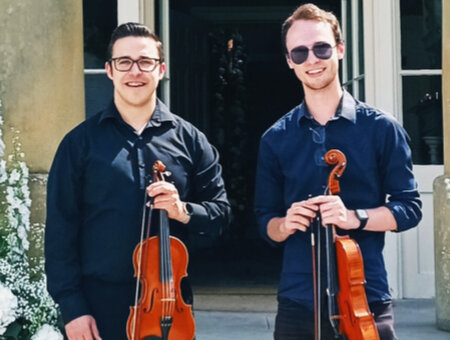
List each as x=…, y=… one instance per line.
x=230, y=79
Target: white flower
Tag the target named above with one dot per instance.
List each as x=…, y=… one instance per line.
x=25, y=190
x=24, y=169
x=3, y=173
x=8, y=307
x=25, y=244
x=14, y=176
x=21, y=232
x=47, y=332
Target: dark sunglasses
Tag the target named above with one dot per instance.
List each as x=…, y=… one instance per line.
x=321, y=50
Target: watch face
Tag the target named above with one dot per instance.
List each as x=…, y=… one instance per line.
x=362, y=214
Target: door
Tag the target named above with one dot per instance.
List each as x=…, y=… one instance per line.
x=403, y=76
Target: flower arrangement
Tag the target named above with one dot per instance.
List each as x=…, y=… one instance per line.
x=26, y=309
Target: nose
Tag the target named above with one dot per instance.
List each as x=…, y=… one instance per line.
x=135, y=68
x=311, y=59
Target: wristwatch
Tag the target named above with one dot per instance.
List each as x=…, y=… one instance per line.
x=187, y=209
x=362, y=216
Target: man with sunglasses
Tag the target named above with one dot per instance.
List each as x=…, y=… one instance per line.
x=99, y=181
x=378, y=190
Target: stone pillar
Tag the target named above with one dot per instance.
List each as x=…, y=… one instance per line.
x=441, y=190
x=41, y=82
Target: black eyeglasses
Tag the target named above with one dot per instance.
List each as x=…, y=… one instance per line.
x=321, y=50
x=124, y=64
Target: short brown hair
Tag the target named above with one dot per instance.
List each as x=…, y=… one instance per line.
x=311, y=12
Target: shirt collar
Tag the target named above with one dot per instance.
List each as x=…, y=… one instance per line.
x=160, y=115
x=346, y=109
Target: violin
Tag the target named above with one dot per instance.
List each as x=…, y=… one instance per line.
x=351, y=316
x=160, y=263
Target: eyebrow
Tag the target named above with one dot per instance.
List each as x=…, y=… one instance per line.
x=140, y=57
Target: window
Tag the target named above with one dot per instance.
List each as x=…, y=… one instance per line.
x=421, y=51
x=99, y=20
x=353, y=63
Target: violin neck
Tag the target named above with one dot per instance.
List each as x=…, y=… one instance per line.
x=165, y=258
x=332, y=276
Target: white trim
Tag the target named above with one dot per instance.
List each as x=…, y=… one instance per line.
x=355, y=46
x=381, y=84
x=94, y=71
x=129, y=11
x=344, y=32
x=164, y=29
x=381, y=55
x=398, y=62
x=424, y=72
x=369, y=46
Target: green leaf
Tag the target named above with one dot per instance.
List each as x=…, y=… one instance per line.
x=13, y=330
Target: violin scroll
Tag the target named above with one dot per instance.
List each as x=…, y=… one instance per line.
x=337, y=158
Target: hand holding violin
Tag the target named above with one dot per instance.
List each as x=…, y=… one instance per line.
x=299, y=216
x=166, y=197
x=333, y=211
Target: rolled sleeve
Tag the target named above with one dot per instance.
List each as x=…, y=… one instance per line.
x=398, y=179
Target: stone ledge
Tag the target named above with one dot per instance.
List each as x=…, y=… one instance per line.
x=235, y=302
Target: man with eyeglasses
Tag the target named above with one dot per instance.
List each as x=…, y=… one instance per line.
x=99, y=181
x=378, y=190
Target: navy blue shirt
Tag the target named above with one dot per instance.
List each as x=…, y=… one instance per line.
x=96, y=193
x=379, y=172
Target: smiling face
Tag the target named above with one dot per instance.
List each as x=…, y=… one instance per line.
x=135, y=88
x=315, y=74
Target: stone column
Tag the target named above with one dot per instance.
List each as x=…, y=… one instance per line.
x=442, y=190
x=41, y=82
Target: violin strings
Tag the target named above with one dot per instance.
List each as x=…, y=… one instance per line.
x=163, y=239
x=136, y=297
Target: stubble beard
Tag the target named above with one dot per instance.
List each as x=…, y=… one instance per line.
x=322, y=85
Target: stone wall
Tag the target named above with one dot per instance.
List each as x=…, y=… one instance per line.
x=41, y=82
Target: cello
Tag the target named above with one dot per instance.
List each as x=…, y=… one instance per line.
x=160, y=263
x=348, y=309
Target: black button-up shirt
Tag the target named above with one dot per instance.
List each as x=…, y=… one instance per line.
x=96, y=193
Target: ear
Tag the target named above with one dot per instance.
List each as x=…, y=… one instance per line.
x=109, y=70
x=340, y=48
x=162, y=70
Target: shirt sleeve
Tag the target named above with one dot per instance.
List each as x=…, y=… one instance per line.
x=62, y=257
x=268, y=200
x=209, y=208
x=398, y=179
